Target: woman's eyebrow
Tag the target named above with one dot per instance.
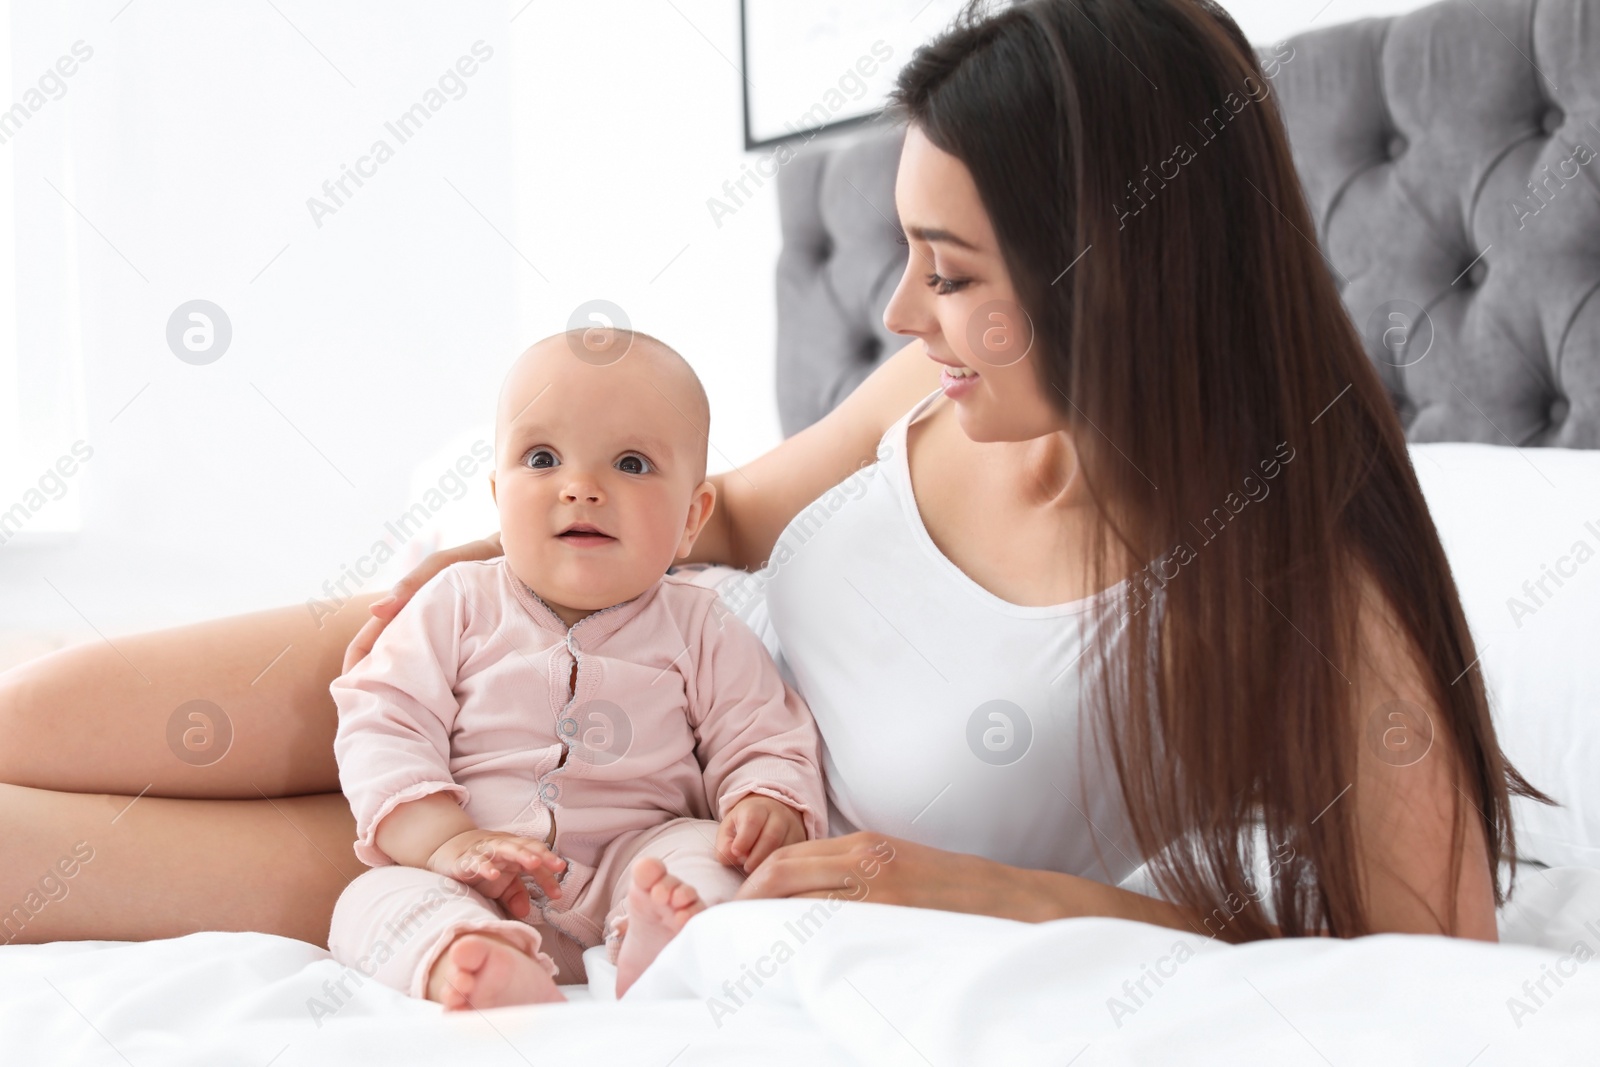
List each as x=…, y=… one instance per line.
x=932, y=234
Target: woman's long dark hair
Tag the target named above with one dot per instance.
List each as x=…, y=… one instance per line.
x=1203, y=340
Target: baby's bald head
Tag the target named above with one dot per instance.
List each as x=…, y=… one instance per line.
x=648, y=376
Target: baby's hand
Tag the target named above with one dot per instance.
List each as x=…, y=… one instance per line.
x=756, y=828
x=491, y=862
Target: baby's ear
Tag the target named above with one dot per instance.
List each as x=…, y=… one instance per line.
x=492, y=494
x=704, y=499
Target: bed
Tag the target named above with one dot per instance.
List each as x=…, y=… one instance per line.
x=1416, y=137
x=862, y=983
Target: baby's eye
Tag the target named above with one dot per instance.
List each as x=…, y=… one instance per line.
x=633, y=463
x=541, y=459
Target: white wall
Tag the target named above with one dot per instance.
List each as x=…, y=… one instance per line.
x=589, y=142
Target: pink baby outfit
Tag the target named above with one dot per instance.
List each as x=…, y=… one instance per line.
x=677, y=712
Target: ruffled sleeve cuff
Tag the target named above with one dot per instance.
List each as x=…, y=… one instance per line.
x=784, y=781
x=366, y=847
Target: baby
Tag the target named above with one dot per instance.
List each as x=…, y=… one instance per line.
x=567, y=745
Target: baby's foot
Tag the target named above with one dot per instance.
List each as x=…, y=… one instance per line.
x=658, y=907
x=479, y=970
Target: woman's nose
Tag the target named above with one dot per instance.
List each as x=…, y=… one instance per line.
x=909, y=312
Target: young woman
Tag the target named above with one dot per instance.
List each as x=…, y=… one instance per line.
x=1162, y=513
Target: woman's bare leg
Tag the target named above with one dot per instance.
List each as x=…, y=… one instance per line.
x=164, y=868
x=234, y=708
x=103, y=733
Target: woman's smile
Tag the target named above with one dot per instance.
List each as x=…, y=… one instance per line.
x=955, y=379
x=957, y=382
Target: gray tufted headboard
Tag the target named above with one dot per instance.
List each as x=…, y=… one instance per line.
x=1451, y=158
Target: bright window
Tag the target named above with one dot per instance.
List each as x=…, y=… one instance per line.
x=43, y=440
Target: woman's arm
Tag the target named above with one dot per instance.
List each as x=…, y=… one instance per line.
x=887, y=870
x=756, y=501
x=1407, y=796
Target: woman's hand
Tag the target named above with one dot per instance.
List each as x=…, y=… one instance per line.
x=886, y=870
x=385, y=610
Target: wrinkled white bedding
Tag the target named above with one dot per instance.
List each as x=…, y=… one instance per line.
x=866, y=983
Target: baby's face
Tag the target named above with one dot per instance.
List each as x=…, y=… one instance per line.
x=599, y=473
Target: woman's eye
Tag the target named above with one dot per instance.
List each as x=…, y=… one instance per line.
x=541, y=459
x=633, y=463
x=945, y=286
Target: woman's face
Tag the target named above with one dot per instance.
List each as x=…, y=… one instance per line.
x=956, y=296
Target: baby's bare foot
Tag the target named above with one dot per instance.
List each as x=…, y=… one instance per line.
x=480, y=970
x=658, y=907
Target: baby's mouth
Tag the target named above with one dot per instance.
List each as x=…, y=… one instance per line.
x=585, y=533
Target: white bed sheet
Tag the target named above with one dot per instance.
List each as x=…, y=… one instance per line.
x=858, y=983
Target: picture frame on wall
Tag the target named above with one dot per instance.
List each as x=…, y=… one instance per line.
x=814, y=66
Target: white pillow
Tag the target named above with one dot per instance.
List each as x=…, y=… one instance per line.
x=1521, y=528
x=448, y=504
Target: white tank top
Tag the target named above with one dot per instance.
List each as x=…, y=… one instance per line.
x=949, y=716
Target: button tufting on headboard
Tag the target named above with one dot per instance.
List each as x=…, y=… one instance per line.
x=840, y=262
x=1451, y=158
x=1557, y=414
